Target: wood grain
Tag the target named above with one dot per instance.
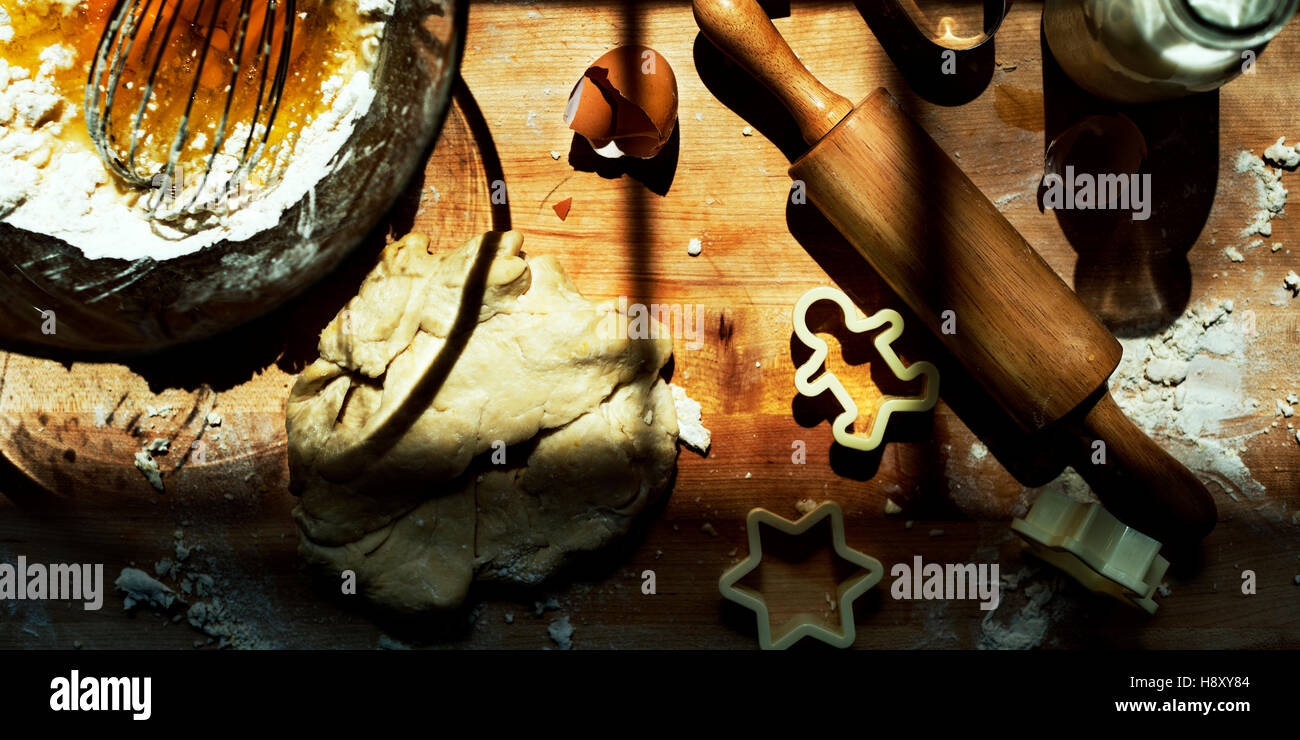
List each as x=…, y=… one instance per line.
x=948, y=253
x=627, y=235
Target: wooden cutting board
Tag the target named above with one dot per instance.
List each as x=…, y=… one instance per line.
x=68, y=433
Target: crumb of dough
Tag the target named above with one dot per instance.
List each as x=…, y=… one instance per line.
x=892, y=508
x=1282, y=155
x=214, y=419
x=145, y=463
x=694, y=247
x=805, y=505
x=690, y=429
x=561, y=632
x=708, y=529
x=936, y=533
x=1234, y=254
x=143, y=589
x=1292, y=282
x=747, y=131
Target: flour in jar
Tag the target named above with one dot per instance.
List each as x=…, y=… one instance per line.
x=53, y=182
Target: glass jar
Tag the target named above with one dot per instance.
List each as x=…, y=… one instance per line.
x=1146, y=50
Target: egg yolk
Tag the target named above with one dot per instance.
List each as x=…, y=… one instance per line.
x=325, y=43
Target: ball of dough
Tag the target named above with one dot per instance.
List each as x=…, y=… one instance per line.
x=473, y=417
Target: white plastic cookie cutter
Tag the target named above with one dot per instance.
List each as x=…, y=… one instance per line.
x=801, y=625
x=855, y=322
x=1094, y=547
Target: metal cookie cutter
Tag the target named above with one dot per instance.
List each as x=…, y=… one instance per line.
x=856, y=323
x=1094, y=547
x=801, y=625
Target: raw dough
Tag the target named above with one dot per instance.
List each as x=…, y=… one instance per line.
x=394, y=430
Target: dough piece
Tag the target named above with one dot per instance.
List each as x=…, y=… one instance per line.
x=442, y=364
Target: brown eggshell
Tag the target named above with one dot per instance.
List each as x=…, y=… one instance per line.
x=625, y=103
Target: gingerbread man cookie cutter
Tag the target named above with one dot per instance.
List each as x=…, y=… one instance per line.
x=801, y=625
x=857, y=323
x=1095, y=548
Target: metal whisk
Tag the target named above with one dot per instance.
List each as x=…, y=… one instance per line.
x=148, y=42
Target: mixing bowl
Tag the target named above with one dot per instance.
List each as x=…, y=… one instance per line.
x=118, y=308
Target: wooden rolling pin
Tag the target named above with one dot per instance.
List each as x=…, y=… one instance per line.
x=942, y=246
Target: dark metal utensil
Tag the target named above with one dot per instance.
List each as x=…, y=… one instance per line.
x=144, y=44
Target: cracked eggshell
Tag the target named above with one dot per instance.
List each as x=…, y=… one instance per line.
x=625, y=103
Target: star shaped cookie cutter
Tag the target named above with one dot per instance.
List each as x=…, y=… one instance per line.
x=801, y=625
x=1095, y=548
x=855, y=322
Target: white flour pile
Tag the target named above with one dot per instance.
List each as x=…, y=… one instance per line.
x=1026, y=627
x=61, y=188
x=1270, y=193
x=1184, y=387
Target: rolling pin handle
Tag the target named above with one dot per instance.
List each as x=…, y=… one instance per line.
x=1141, y=483
x=742, y=30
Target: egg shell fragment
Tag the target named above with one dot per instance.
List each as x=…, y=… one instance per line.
x=625, y=103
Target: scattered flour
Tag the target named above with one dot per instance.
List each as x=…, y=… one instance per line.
x=561, y=632
x=1270, y=193
x=1185, y=385
x=1028, y=626
x=221, y=610
x=1069, y=483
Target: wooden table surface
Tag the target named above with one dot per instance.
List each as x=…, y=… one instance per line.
x=72, y=494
